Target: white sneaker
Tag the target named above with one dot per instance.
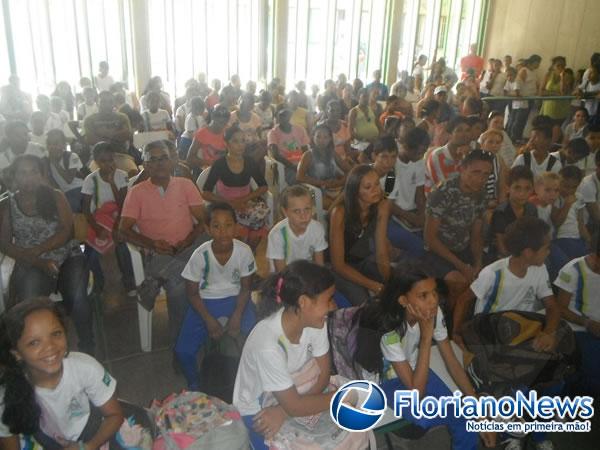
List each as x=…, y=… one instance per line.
x=544, y=445
x=513, y=444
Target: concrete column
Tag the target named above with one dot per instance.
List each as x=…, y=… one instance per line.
x=141, y=43
x=280, y=27
x=392, y=45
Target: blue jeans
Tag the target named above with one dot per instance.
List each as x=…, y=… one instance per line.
x=572, y=247
x=29, y=282
x=555, y=260
x=406, y=240
x=123, y=261
x=256, y=439
x=461, y=438
x=587, y=379
x=194, y=334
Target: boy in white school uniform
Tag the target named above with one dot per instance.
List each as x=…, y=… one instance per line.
x=298, y=236
x=218, y=283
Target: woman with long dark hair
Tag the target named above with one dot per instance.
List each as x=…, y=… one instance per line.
x=358, y=237
x=37, y=232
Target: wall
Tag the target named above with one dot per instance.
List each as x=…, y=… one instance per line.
x=546, y=27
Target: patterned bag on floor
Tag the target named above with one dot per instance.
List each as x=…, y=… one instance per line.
x=195, y=421
x=316, y=432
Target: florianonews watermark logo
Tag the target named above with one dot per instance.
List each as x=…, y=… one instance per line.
x=369, y=401
x=360, y=405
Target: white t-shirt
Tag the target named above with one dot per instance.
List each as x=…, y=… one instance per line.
x=570, y=227
x=583, y=283
x=588, y=87
x=156, y=121
x=536, y=168
x=54, y=122
x=269, y=359
x=589, y=189
x=587, y=164
x=498, y=289
x=283, y=244
x=409, y=176
x=396, y=348
x=215, y=280
x=544, y=213
x=84, y=110
x=7, y=156
x=105, y=83
x=193, y=123
x=103, y=193
x=181, y=113
x=510, y=87
x=497, y=89
x=66, y=408
x=483, y=89
x=38, y=139
x=74, y=163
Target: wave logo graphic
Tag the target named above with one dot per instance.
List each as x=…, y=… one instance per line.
x=369, y=408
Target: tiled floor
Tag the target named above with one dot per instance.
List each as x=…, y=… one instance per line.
x=143, y=377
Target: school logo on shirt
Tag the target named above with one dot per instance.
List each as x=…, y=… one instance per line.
x=236, y=276
x=106, y=379
x=251, y=266
x=309, y=349
x=75, y=409
x=413, y=178
x=565, y=277
x=530, y=294
x=311, y=251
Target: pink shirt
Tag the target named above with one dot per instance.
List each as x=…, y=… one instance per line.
x=163, y=214
x=289, y=144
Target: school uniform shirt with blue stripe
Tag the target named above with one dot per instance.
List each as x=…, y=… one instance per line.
x=396, y=348
x=583, y=283
x=498, y=289
x=215, y=280
x=283, y=244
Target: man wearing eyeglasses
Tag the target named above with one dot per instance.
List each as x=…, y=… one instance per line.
x=164, y=215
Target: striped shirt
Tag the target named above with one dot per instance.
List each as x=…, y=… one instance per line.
x=439, y=167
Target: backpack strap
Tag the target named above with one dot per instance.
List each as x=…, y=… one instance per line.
x=66, y=160
x=527, y=159
x=551, y=161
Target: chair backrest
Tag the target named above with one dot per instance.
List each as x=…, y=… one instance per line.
x=141, y=139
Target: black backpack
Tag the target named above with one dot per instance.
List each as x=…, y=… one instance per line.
x=503, y=356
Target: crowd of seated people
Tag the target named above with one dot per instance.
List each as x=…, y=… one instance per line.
x=430, y=196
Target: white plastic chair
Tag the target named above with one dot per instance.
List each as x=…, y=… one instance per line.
x=144, y=316
x=268, y=196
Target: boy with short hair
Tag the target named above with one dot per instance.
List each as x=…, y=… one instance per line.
x=592, y=137
x=520, y=187
x=298, y=236
x=519, y=282
x=567, y=215
x=103, y=193
x=576, y=152
x=578, y=299
x=405, y=230
x=385, y=153
x=218, y=283
x=537, y=152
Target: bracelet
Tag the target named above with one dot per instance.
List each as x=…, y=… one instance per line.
x=81, y=445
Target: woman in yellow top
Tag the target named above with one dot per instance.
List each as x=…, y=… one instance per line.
x=363, y=124
x=556, y=82
x=300, y=116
